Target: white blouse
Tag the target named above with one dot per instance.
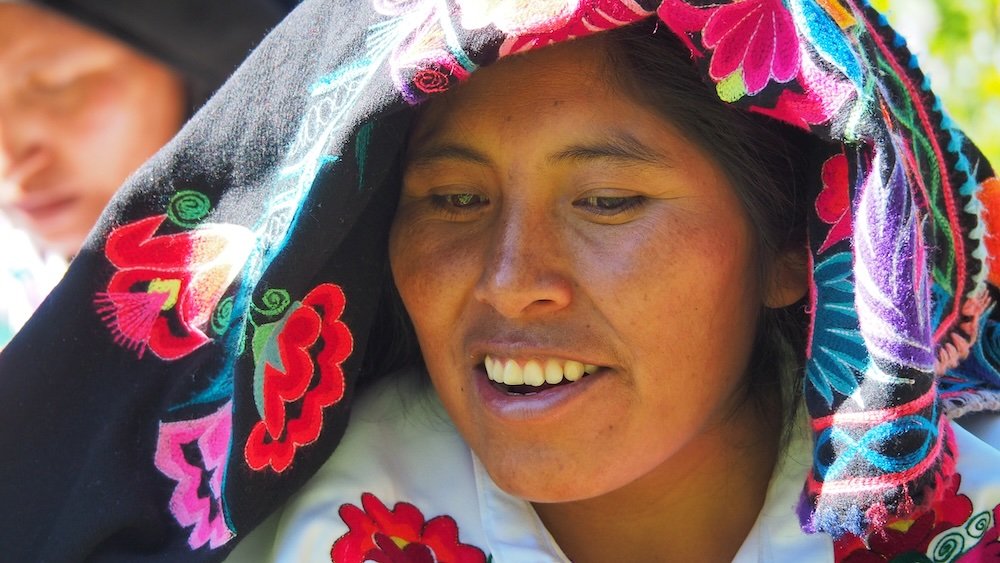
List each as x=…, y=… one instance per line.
x=400, y=447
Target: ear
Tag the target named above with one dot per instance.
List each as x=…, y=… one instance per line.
x=788, y=280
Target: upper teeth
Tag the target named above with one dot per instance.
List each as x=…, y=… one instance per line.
x=536, y=372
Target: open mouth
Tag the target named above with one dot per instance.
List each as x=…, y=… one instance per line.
x=534, y=376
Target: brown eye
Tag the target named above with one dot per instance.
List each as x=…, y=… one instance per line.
x=609, y=205
x=459, y=201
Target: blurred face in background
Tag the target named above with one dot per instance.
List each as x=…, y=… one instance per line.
x=79, y=112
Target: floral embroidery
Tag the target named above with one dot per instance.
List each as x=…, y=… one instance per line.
x=754, y=42
x=400, y=535
x=437, y=73
x=833, y=205
x=193, y=453
x=166, y=286
x=298, y=363
x=947, y=533
x=824, y=96
x=988, y=546
x=421, y=43
x=755, y=38
x=835, y=352
x=562, y=21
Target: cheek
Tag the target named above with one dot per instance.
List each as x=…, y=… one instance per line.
x=433, y=273
x=678, y=289
x=119, y=126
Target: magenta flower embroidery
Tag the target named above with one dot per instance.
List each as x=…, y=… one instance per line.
x=192, y=452
x=756, y=37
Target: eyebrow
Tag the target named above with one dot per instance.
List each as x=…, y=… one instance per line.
x=619, y=148
x=435, y=153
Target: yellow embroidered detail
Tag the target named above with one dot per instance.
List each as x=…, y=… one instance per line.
x=172, y=287
x=400, y=542
x=901, y=525
x=732, y=88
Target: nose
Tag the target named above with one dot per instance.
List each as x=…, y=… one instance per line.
x=525, y=272
x=22, y=152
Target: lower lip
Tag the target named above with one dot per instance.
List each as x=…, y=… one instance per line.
x=48, y=212
x=553, y=402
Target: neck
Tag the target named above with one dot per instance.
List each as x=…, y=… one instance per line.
x=697, y=506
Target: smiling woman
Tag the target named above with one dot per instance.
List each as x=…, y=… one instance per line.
x=553, y=251
x=568, y=281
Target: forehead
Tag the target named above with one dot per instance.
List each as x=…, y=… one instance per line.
x=559, y=104
x=538, y=83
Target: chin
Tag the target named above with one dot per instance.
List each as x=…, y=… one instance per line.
x=556, y=488
x=67, y=247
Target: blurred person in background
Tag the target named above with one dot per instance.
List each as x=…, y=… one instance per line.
x=90, y=90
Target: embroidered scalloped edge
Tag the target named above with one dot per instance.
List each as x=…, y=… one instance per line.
x=971, y=402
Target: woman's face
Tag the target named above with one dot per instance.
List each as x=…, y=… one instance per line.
x=549, y=225
x=78, y=113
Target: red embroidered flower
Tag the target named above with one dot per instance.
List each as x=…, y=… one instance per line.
x=911, y=536
x=833, y=205
x=166, y=286
x=554, y=21
x=311, y=342
x=437, y=72
x=399, y=535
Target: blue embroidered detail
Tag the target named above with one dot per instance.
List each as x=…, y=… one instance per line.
x=838, y=351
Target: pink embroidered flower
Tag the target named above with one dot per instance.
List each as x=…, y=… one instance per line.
x=833, y=205
x=166, y=286
x=553, y=23
x=756, y=37
x=193, y=452
x=400, y=535
x=311, y=343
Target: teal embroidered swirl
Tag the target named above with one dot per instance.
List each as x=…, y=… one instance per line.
x=222, y=315
x=870, y=443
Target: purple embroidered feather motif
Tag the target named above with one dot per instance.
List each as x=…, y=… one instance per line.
x=878, y=449
x=889, y=265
